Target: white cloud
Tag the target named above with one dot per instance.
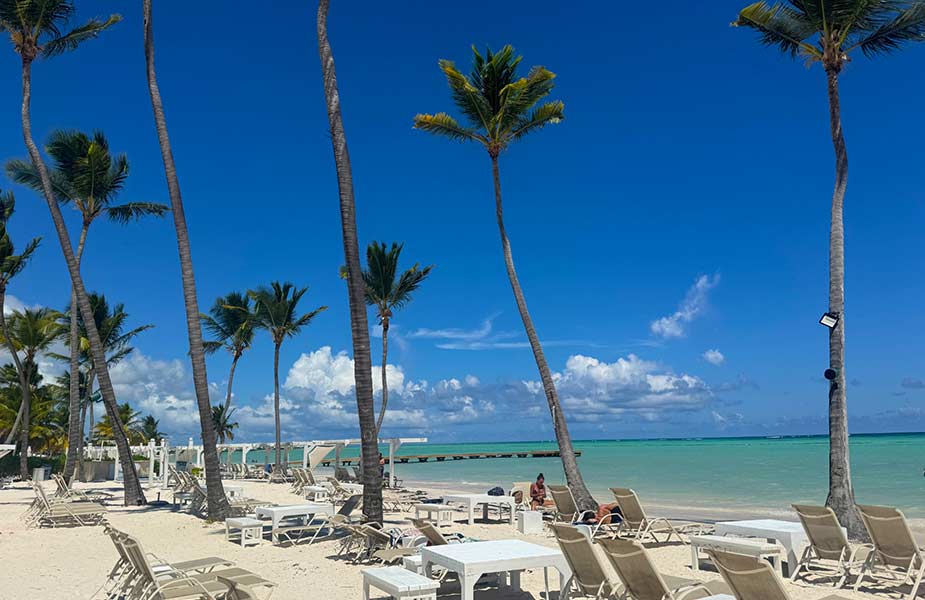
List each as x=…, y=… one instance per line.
x=714, y=357
x=694, y=303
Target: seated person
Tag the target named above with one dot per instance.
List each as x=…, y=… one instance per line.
x=538, y=493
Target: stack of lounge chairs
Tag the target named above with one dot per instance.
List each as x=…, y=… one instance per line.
x=302, y=477
x=329, y=525
x=369, y=543
x=62, y=512
x=141, y=575
x=191, y=496
x=66, y=491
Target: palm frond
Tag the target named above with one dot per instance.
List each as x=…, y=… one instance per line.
x=211, y=347
x=519, y=97
x=908, y=25
x=24, y=173
x=69, y=41
x=133, y=211
x=547, y=114
x=780, y=26
x=445, y=125
x=468, y=98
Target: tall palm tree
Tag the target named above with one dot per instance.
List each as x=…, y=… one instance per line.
x=827, y=33
x=276, y=311
x=388, y=293
x=231, y=322
x=36, y=30
x=30, y=332
x=501, y=109
x=224, y=426
x=87, y=175
x=218, y=503
x=11, y=265
x=359, y=326
x=150, y=429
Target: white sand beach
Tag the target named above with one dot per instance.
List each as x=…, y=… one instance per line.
x=72, y=563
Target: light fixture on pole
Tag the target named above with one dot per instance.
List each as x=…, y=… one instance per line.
x=829, y=319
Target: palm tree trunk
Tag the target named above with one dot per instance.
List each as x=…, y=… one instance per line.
x=841, y=492
x=28, y=367
x=218, y=503
x=23, y=380
x=234, y=363
x=78, y=467
x=566, y=452
x=134, y=495
x=385, y=381
x=73, y=421
x=276, y=465
x=359, y=327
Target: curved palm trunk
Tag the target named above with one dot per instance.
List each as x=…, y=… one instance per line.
x=73, y=421
x=841, y=492
x=234, y=363
x=134, y=495
x=385, y=381
x=20, y=372
x=566, y=452
x=356, y=291
x=276, y=465
x=218, y=503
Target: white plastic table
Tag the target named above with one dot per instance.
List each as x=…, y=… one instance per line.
x=474, y=559
x=278, y=513
x=232, y=490
x=471, y=500
x=789, y=534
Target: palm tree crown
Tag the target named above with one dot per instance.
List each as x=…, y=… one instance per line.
x=276, y=310
x=499, y=107
x=36, y=27
x=221, y=421
x=828, y=31
x=33, y=331
x=110, y=322
x=383, y=290
x=231, y=323
x=11, y=264
x=86, y=174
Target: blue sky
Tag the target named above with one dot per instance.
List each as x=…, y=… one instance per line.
x=689, y=186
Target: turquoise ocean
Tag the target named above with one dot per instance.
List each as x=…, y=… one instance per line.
x=741, y=475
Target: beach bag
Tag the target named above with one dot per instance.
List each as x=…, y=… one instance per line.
x=496, y=491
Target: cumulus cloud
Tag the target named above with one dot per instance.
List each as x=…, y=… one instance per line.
x=714, y=357
x=693, y=305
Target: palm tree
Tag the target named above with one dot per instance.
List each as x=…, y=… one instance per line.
x=218, y=503
x=149, y=429
x=11, y=265
x=130, y=425
x=359, y=325
x=502, y=109
x=31, y=332
x=828, y=32
x=231, y=321
x=224, y=426
x=276, y=308
x=388, y=294
x=35, y=28
x=87, y=175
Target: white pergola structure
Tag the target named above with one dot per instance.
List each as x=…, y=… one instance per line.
x=6, y=449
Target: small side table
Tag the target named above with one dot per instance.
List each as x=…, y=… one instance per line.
x=530, y=522
x=248, y=531
x=413, y=563
x=316, y=493
x=444, y=513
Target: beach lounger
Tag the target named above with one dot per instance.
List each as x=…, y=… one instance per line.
x=66, y=491
x=434, y=536
x=640, y=526
x=895, y=557
x=567, y=511
x=750, y=578
x=294, y=533
x=174, y=584
x=642, y=581
x=829, y=552
x=341, y=474
x=373, y=545
x=589, y=578
x=524, y=488
x=63, y=512
x=236, y=591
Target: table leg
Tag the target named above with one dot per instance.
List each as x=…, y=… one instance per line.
x=695, y=558
x=365, y=590
x=515, y=581
x=467, y=584
x=471, y=518
x=275, y=523
x=485, y=512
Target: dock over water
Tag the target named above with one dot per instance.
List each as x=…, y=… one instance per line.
x=421, y=458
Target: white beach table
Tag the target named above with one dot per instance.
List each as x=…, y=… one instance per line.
x=474, y=559
x=471, y=500
x=789, y=534
x=302, y=511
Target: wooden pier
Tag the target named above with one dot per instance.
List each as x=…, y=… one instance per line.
x=423, y=458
